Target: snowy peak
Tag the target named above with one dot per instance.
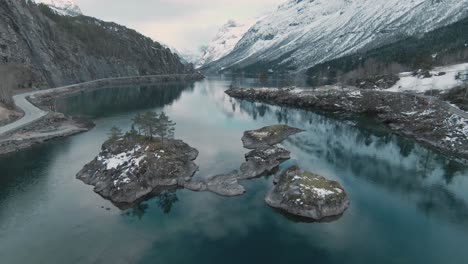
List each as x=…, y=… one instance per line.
x=225, y=41
x=303, y=33
x=62, y=7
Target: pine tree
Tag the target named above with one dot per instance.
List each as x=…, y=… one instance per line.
x=138, y=122
x=165, y=127
x=115, y=133
x=132, y=133
x=146, y=123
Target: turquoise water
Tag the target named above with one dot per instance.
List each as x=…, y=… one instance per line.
x=408, y=204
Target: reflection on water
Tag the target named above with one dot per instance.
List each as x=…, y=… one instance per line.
x=408, y=204
x=396, y=164
x=121, y=99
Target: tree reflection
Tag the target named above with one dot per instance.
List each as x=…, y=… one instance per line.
x=166, y=200
x=138, y=210
x=116, y=99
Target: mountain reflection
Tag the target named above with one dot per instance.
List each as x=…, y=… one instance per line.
x=120, y=99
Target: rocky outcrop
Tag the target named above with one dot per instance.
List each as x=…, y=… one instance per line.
x=265, y=157
x=267, y=136
x=263, y=162
x=59, y=50
x=131, y=169
x=305, y=194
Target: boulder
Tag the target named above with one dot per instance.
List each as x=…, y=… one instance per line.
x=304, y=194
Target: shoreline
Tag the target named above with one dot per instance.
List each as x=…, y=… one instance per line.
x=426, y=120
x=40, y=123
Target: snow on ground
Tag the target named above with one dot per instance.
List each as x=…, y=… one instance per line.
x=322, y=192
x=115, y=161
x=421, y=85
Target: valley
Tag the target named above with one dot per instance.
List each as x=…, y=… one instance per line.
x=328, y=131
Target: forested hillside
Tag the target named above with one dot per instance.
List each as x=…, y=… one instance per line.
x=443, y=46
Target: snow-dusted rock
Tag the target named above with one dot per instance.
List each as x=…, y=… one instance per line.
x=305, y=194
x=267, y=136
x=131, y=169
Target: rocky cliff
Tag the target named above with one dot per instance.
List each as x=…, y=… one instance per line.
x=58, y=50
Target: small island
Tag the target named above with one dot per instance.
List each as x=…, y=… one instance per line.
x=302, y=193
x=138, y=165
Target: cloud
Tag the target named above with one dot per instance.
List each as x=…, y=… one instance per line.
x=184, y=24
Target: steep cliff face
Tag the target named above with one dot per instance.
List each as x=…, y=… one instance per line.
x=60, y=50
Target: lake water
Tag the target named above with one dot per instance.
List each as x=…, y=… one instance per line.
x=408, y=204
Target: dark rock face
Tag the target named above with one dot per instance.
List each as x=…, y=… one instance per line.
x=305, y=194
x=267, y=136
x=60, y=50
x=129, y=170
x=262, y=162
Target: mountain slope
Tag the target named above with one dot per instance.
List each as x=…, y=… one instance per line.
x=303, y=33
x=58, y=50
x=225, y=41
x=62, y=7
x=443, y=46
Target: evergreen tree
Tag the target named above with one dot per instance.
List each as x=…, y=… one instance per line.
x=132, y=133
x=138, y=123
x=165, y=127
x=115, y=133
x=146, y=123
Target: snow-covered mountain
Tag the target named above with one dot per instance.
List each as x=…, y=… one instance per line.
x=303, y=33
x=189, y=56
x=225, y=41
x=62, y=7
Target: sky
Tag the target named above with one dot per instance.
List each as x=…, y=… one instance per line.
x=183, y=24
